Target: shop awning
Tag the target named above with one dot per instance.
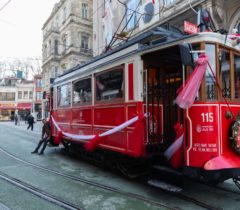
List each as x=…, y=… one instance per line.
x=24, y=105
x=7, y=106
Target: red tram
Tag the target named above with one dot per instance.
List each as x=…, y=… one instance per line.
x=122, y=103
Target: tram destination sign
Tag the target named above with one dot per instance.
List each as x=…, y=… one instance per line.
x=190, y=28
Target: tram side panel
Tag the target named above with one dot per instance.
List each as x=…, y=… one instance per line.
x=207, y=143
x=104, y=116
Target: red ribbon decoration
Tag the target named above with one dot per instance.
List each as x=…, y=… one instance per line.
x=92, y=144
x=58, y=137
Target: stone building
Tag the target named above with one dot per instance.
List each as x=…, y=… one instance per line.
x=67, y=39
x=16, y=96
x=116, y=21
x=37, y=80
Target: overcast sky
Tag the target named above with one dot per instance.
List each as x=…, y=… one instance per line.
x=21, y=22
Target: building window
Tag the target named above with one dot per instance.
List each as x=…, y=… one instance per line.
x=30, y=94
x=109, y=85
x=45, y=50
x=64, y=44
x=64, y=95
x=39, y=96
x=132, y=14
x=82, y=91
x=9, y=96
x=25, y=94
x=50, y=47
x=84, y=42
x=64, y=14
x=169, y=2
x=84, y=10
x=55, y=72
x=56, y=47
x=19, y=94
x=39, y=83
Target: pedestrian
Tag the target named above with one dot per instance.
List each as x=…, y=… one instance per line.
x=15, y=119
x=25, y=118
x=30, y=122
x=45, y=138
x=18, y=119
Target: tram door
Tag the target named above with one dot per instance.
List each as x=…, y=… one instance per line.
x=160, y=87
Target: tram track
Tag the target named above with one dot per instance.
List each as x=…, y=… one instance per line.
x=113, y=189
x=39, y=193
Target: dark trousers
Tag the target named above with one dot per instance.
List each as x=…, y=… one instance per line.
x=43, y=141
x=30, y=126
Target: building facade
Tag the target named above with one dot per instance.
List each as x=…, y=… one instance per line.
x=38, y=93
x=16, y=96
x=120, y=20
x=67, y=39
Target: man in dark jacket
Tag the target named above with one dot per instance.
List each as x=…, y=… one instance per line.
x=30, y=122
x=46, y=136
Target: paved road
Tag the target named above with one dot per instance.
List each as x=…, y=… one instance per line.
x=18, y=141
x=23, y=126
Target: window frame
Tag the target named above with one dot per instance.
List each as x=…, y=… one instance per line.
x=112, y=100
x=84, y=103
x=67, y=105
x=234, y=53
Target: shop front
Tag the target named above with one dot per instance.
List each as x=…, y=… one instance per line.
x=7, y=111
x=24, y=109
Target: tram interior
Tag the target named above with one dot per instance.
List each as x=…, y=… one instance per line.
x=162, y=78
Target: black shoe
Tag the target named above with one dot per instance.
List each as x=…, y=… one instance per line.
x=41, y=153
x=33, y=152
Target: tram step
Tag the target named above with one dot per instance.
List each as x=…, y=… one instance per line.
x=167, y=170
x=164, y=185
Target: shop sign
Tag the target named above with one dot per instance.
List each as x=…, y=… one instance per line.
x=8, y=106
x=190, y=28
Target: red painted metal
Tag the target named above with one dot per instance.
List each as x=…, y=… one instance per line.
x=24, y=106
x=100, y=118
x=208, y=145
x=130, y=82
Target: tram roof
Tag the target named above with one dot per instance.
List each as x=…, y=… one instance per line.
x=153, y=38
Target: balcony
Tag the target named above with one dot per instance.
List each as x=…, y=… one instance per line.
x=50, y=31
x=87, y=51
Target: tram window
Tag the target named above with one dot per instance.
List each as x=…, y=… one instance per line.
x=82, y=91
x=109, y=85
x=210, y=81
x=225, y=72
x=237, y=75
x=64, y=95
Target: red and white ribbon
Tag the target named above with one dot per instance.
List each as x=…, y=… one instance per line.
x=234, y=36
x=173, y=148
x=106, y=133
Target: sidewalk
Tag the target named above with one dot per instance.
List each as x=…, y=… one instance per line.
x=37, y=129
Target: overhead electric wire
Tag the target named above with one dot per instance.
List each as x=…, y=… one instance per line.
x=5, y=5
x=189, y=2
x=104, y=2
x=135, y=11
x=132, y=14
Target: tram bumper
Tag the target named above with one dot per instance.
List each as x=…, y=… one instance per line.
x=229, y=160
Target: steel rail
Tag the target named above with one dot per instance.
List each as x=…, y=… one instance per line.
x=91, y=183
x=36, y=191
x=116, y=190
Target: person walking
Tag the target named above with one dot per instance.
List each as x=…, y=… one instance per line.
x=15, y=119
x=30, y=122
x=45, y=138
